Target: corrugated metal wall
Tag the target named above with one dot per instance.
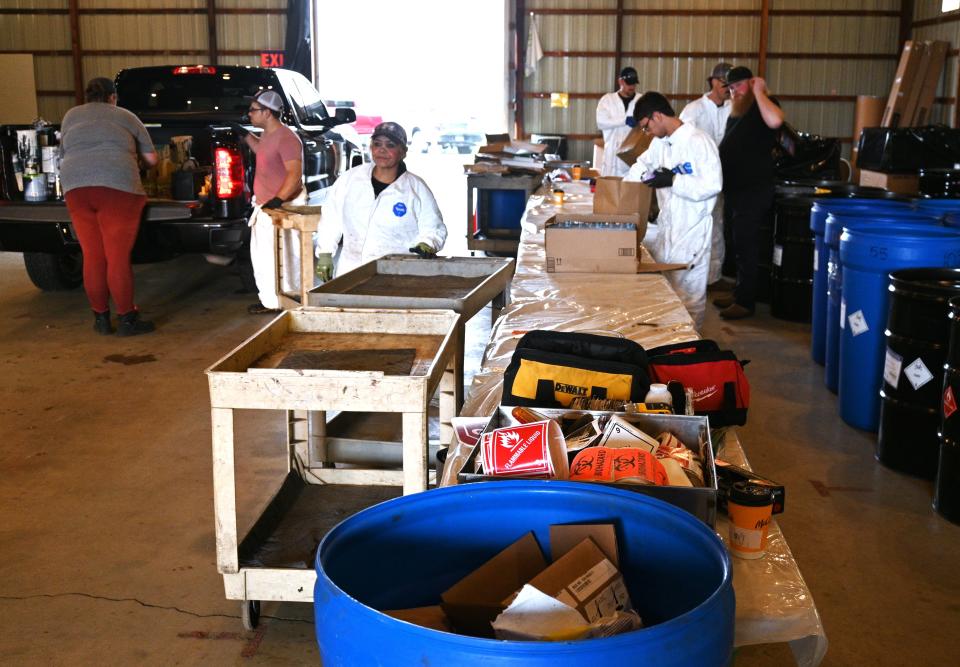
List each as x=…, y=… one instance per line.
x=115, y=34
x=925, y=12
x=820, y=54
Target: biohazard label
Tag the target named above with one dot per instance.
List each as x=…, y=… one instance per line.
x=949, y=403
x=858, y=323
x=891, y=368
x=918, y=374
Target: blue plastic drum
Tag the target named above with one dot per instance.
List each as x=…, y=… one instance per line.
x=937, y=207
x=833, y=228
x=868, y=255
x=818, y=221
x=404, y=552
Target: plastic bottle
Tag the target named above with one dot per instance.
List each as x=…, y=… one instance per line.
x=658, y=394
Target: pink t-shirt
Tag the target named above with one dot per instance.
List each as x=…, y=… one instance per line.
x=274, y=149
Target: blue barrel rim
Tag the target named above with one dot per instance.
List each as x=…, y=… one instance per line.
x=834, y=229
x=663, y=630
x=913, y=233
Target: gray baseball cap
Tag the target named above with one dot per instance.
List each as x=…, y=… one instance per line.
x=720, y=72
x=269, y=99
x=391, y=131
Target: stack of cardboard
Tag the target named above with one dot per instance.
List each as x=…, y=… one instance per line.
x=503, y=157
x=910, y=104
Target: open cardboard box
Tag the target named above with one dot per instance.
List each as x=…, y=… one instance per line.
x=693, y=432
x=589, y=243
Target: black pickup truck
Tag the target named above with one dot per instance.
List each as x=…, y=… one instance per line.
x=197, y=101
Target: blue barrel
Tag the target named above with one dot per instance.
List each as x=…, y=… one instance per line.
x=818, y=221
x=405, y=552
x=868, y=255
x=937, y=207
x=834, y=227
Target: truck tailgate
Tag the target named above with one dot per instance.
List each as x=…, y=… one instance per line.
x=155, y=211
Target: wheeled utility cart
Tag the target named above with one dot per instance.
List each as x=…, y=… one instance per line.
x=306, y=362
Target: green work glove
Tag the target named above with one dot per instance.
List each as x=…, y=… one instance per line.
x=324, y=266
x=424, y=250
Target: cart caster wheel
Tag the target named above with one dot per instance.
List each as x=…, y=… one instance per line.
x=250, y=614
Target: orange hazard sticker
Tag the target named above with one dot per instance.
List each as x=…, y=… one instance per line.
x=949, y=403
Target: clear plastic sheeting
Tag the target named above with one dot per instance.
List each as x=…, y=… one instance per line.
x=773, y=602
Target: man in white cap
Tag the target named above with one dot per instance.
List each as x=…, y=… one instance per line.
x=710, y=113
x=278, y=179
x=378, y=209
x=615, y=120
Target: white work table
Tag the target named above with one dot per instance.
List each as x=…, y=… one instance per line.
x=774, y=604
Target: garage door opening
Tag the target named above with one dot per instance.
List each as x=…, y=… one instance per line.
x=438, y=68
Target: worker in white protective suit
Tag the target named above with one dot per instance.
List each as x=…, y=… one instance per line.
x=379, y=209
x=683, y=164
x=615, y=120
x=710, y=113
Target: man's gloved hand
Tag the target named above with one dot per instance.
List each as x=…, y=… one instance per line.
x=660, y=178
x=424, y=250
x=238, y=128
x=631, y=121
x=324, y=266
x=276, y=202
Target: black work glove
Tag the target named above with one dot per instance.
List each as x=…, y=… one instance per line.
x=424, y=250
x=276, y=202
x=238, y=128
x=661, y=178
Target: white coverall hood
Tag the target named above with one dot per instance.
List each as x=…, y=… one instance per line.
x=612, y=121
x=686, y=209
x=404, y=215
x=702, y=113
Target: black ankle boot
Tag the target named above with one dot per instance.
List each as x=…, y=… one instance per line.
x=101, y=323
x=130, y=324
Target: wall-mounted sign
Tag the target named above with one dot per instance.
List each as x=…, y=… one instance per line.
x=559, y=100
x=271, y=59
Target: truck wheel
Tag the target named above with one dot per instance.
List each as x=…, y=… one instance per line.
x=52, y=272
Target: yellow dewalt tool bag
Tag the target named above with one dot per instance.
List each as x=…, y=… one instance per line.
x=551, y=368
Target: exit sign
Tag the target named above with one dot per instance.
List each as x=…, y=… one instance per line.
x=271, y=59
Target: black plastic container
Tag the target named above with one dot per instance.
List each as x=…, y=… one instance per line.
x=917, y=337
x=940, y=183
x=791, y=270
x=946, y=488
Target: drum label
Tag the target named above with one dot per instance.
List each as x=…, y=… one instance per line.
x=891, y=368
x=918, y=374
x=858, y=323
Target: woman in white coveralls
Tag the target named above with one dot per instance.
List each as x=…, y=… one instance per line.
x=378, y=209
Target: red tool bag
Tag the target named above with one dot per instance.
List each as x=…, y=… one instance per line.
x=720, y=389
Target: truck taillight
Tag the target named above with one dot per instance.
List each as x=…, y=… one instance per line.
x=228, y=167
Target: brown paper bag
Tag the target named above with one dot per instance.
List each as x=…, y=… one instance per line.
x=634, y=145
x=619, y=197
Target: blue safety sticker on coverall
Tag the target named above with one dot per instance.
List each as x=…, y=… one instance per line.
x=683, y=168
x=400, y=209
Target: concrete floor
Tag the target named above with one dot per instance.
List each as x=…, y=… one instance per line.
x=106, y=543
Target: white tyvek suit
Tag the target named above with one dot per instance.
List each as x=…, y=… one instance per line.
x=707, y=116
x=611, y=120
x=404, y=215
x=263, y=254
x=685, y=219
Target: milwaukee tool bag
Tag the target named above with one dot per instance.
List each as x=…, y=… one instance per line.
x=551, y=368
x=720, y=388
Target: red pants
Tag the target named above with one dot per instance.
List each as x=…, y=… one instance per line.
x=106, y=222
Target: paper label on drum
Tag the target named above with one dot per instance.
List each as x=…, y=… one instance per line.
x=891, y=368
x=949, y=403
x=777, y=255
x=858, y=323
x=918, y=373
x=816, y=260
x=843, y=312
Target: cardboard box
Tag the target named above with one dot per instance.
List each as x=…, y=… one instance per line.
x=563, y=539
x=426, y=617
x=904, y=184
x=936, y=53
x=586, y=580
x=904, y=80
x=573, y=247
x=619, y=197
x=473, y=602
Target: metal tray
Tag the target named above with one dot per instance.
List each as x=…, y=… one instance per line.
x=694, y=432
